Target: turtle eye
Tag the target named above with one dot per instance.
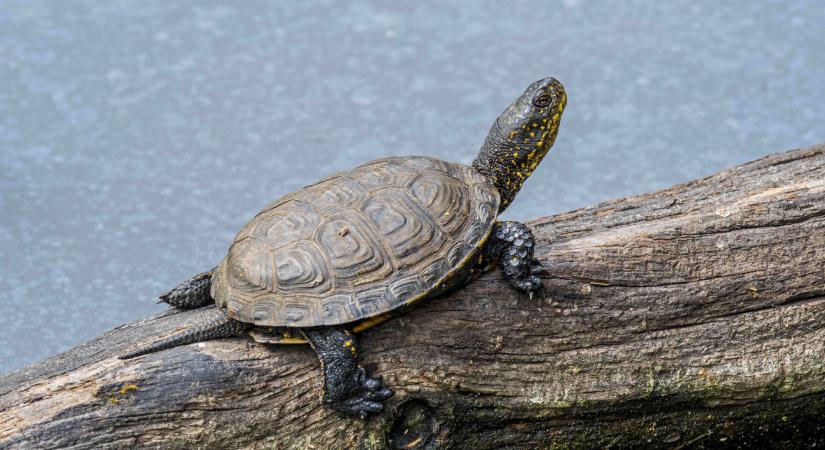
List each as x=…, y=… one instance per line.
x=542, y=100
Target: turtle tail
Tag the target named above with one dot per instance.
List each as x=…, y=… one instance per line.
x=215, y=327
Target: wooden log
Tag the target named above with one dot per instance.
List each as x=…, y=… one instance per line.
x=692, y=316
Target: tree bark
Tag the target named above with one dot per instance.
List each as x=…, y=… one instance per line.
x=689, y=317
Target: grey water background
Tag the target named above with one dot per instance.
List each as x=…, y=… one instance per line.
x=136, y=138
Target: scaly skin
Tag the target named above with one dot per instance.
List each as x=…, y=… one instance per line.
x=516, y=144
x=512, y=244
x=521, y=137
x=190, y=294
x=347, y=388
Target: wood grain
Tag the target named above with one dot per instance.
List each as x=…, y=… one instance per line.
x=692, y=317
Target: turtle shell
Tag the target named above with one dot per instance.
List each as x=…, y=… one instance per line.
x=357, y=244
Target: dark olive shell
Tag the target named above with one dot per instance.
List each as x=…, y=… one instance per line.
x=357, y=244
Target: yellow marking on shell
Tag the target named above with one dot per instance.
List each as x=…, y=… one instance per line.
x=371, y=322
x=532, y=134
x=513, y=134
x=556, y=117
x=534, y=125
x=515, y=155
x=291, y=340
x=444, y=280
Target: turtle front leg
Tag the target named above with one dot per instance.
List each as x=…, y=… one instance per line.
x=192, y=293
x=347, y=388
x=512, y=244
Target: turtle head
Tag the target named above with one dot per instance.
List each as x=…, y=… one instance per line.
x=521, y=136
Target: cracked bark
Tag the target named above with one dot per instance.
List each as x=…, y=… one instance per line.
x=691, y=317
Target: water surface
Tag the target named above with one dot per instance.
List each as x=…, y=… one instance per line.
x=136, y=138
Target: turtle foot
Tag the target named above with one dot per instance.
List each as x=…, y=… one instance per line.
x=530, y=284
x=367, y=396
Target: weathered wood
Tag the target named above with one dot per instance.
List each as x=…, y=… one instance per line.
x=693, y=316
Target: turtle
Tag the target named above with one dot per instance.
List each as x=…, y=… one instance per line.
x=344, y=254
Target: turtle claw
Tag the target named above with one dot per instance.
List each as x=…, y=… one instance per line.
x=374, y=383
x=535, y=266
x=529, y=284
x=358, y=407
x=368, y=398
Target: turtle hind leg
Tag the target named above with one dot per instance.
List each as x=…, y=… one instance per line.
x=190, y=294
x=512, y=244
x=347, y=388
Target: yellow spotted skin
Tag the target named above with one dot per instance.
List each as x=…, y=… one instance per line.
x=521, y=137
x=350, y=345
